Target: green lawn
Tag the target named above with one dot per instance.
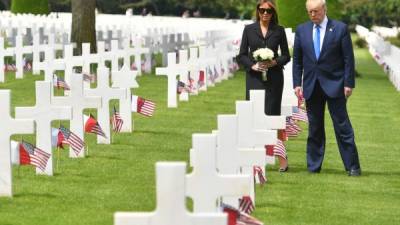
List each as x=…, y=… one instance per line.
x=120, y=177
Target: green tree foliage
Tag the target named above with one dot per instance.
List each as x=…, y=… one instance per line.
x=293, y=12
x=372, y=12
x=30, y=6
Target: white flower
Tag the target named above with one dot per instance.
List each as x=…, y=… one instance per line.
x=263, y=54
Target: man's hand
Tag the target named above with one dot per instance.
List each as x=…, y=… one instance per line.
x=298, y=92
x=347, y=92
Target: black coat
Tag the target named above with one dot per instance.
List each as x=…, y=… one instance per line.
x=252, y=40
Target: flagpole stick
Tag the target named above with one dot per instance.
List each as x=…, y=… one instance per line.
x=58, y=158
x=112, y=137
x=19, y=163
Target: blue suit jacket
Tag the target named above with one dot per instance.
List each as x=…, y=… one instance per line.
x=335, y=67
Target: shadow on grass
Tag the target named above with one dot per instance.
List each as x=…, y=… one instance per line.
x=46, y=195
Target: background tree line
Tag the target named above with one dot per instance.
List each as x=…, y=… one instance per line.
x=365, y=12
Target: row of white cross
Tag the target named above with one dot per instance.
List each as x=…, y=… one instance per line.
x=70, y=107
x=198, y=60
x=50, y=64
x=384, y=53
x=227, y=155
x=222, y=168
x=119, y=25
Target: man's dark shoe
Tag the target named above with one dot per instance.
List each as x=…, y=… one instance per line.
x=355, y=172
x=314, y=171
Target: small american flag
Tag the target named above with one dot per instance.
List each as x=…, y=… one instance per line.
x=257, y=171
x=292, y=129
x=28, y=66
x=222, y=69
x=72, y=139
x=116, y=121
x=143, y=106
x=59, y=82
x=235, y=217
x=192, y=86
x=300, y=115
x=91, y=78
x=201, y=81
x=280, y=149
x=30, y=154
x=92, y=126
x=210, y=75
x=269, y=150
x=246, y=219
x=181, y=87
x=216, y=74
x=246, y=205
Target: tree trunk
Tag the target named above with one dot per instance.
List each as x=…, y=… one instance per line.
x=83, y=24
x=6, y=4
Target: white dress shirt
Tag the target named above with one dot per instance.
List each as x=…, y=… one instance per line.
x=322, y=31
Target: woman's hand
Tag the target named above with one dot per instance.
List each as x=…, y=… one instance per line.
x=264, y=65
x=260, y=67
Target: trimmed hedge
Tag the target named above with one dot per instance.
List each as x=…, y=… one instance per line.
x=293, y=12
x=30, y=6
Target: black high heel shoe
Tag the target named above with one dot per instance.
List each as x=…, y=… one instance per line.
x=282, y=170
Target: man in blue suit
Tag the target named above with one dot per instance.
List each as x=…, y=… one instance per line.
x=323, y=72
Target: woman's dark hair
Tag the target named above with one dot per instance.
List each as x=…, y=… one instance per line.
x=271, y=4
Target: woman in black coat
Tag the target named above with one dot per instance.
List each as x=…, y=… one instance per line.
x=265, y=32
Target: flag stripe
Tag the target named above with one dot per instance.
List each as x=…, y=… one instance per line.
x=72, y=139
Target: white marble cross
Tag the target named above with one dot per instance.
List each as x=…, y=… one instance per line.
x=78, y=102
x=125, y=78
x=8, y=127
x=171, y=71
x=49, y=64
x=43, y=113
x=137, y=50
x=166, y=46
x=37, y=48
x=114, y=55
x=183, y=77
x=3, y=53
x=71, y=61
x=194, y=67
x=101, y=52
x=205, y=185
x=248, y=136
x=148, y=56
x=171, y=202
x=106, y=93
x=261, y=120
x=289, y=99
x=88, y=59
x=231, y=158
x=20, y=51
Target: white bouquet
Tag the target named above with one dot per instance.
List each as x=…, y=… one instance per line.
x=263, y=54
